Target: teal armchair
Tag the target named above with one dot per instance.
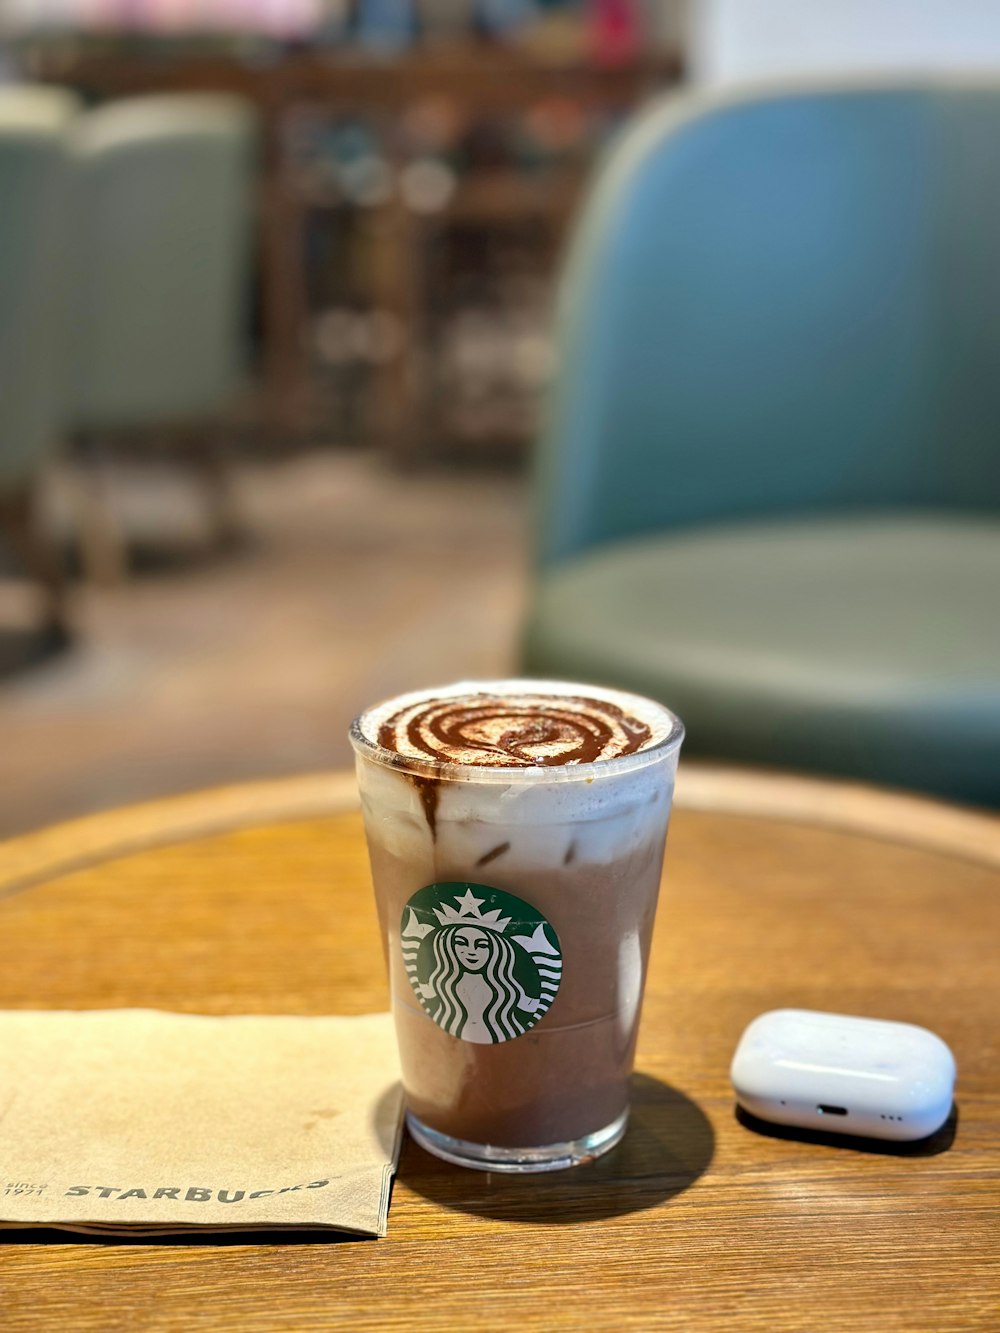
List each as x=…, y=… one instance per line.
x=768, y=491
x=158, y=308
x=34, y=194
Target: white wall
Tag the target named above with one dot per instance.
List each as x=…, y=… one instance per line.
x=745, y=40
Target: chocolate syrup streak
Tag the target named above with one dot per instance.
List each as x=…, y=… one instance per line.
x=524, y=731
x=429, y=790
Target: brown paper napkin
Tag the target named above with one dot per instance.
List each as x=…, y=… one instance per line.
x=154, y=1123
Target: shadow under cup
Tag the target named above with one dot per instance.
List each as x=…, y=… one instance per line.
x=516, y=906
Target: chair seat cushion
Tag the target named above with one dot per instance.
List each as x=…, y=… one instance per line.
x=866, y=646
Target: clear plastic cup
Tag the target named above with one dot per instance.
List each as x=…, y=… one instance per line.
x=516, y=907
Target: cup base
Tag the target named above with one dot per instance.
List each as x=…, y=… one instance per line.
x=487, y=1157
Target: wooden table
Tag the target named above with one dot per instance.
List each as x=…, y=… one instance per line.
x=778, y=892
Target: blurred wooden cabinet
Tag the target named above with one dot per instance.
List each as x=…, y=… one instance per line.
x=412, y=212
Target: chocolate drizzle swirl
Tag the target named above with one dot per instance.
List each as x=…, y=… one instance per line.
x=493, y=731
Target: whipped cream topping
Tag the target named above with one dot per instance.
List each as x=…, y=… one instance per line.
x=490, y=730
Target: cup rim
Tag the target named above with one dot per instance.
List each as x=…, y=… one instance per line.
x=521, y=774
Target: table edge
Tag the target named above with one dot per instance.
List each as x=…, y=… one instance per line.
x=917, y=821
x=60, y=849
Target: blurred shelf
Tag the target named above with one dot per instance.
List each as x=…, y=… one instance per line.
x=489, y=77
x=486, y=197
x=500, y=196
x=482, y=80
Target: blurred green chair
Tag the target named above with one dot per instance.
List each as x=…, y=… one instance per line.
x=769, y=487
x=34, y=178
x=164, y=222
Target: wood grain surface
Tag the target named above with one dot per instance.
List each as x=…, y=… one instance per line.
x=777, y=892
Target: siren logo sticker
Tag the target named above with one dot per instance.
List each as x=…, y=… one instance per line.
x=484, y=965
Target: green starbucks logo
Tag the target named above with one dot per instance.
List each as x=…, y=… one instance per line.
x=484, y=965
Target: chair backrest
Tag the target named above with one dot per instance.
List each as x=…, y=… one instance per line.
x=34, y=175
x=164, y=213
x=780, y=303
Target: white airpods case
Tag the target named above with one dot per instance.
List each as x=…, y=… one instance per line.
x=862, y=1076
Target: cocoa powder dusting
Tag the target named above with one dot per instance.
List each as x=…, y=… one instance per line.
x=526, y=730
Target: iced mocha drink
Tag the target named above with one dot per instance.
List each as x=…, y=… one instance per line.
x=516, y=833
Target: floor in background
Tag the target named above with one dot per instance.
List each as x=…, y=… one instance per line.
x=356, y=583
